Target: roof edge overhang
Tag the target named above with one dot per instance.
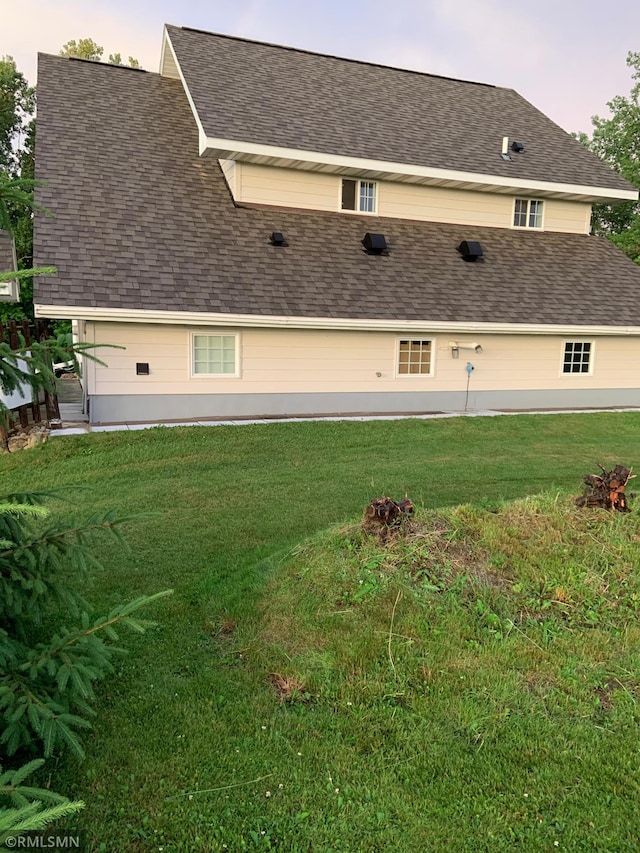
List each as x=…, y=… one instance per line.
x=293, y=158
x=170, y=67
x=197, y=318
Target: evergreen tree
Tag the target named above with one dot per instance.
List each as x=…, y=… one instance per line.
x=52, y=649
x=24, y=808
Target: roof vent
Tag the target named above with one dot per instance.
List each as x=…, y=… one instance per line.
x=277, y=239
x=505, y=148
x=375, y=244
x=470, y=250
x=518, y=147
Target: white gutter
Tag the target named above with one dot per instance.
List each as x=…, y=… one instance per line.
x=235, y=149
x=196, y=318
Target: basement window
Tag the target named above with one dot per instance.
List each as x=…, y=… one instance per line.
x=577, y=357
x=359, y=195
x=214, y=355
x=414, y=357
x=527, y=213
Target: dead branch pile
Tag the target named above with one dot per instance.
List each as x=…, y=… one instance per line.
x=607, y=490
x=384, y=515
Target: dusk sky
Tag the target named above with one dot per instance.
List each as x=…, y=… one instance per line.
x=565, y=56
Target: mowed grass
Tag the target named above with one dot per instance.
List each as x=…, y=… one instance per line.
x=470, y=687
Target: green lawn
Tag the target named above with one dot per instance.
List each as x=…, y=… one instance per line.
x=473, y=688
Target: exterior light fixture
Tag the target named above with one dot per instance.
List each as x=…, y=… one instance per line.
x=456, y=346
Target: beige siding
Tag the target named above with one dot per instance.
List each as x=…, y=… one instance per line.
x=317, y=191
x=287, y=361
x=572, y=217
x=288, y=187
x=434, y=204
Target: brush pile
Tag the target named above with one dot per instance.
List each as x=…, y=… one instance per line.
x=384, y=515
x=607, y=490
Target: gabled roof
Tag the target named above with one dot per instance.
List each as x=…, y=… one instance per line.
x=255, y=94
x=141, y=222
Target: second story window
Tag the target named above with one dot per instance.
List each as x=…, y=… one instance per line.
x=359, y=195
x=527, y=213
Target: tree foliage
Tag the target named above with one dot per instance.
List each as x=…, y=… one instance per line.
x=17, y=134
x=25, y=808
x=616, y=140
x=88, y=49
x=52, y=648
x=82, y=49
x=17, y=104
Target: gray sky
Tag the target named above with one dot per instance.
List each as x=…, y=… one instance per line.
x=565, y=56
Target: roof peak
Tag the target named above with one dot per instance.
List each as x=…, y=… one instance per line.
x=331, y=56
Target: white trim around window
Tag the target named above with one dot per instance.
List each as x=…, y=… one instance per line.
x=414, y=357
x=577, y=358
x=528, y=213
x=214, y=355
x=361, y=193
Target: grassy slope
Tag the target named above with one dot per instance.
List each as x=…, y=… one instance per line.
x=436, y=755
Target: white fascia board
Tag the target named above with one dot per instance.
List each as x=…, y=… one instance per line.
x=167, y=46
x=195, y=318
x=233, y=149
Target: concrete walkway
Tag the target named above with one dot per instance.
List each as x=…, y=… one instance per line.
x=82, y=427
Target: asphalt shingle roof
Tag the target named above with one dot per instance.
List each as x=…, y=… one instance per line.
x=263, y=93
x=140, y=221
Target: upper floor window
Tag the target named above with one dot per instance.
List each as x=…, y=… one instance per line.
x=527, y=213
x=577, y=357
x=359, y=195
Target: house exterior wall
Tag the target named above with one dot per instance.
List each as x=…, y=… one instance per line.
x=306, y=372
x=255, y=184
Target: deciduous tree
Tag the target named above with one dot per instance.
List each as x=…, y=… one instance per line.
x=616, y=140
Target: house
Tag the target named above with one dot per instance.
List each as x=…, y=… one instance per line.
x=8, y=263
x=270, y=231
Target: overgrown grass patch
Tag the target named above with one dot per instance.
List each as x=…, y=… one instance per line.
x=471, y=687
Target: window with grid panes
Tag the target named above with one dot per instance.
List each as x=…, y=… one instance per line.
x=414, y=357
x=214, y=355
x=577, y=357
x=527, y=213
x=358, y=195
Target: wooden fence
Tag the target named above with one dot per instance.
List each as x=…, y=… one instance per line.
x=14, y=333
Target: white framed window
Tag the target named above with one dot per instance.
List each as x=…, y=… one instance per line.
x=578, y=357
x=414, y=357
x=527, y=213
x=215, y=354
x=359, y=195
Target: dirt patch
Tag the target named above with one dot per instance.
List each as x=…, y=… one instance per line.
x=289, y=688
x=445, y=556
